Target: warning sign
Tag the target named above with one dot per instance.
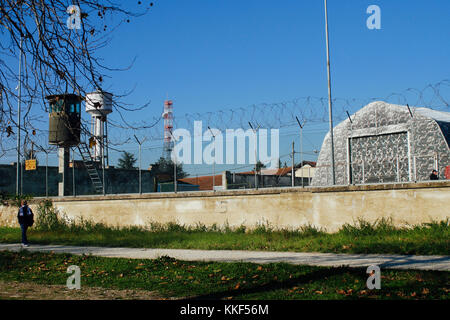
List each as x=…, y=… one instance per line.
x=30, y=164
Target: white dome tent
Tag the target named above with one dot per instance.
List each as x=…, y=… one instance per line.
x=385, y=142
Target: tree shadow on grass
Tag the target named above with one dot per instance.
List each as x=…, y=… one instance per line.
x=317, y=275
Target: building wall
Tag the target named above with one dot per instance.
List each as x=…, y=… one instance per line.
x=117, y=181
x=306, y=171
x=247, y=181
x=327, y=208
x=424, y=139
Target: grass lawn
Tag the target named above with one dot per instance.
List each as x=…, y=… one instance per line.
x=363, y=237
x=211, y=280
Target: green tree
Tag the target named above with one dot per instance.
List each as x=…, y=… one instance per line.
x=165, y=167
x=127, y=161
x=259, y=166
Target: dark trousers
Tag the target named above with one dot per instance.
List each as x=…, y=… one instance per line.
x=24, y=228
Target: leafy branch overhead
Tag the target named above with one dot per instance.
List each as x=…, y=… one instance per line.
x=57, y=57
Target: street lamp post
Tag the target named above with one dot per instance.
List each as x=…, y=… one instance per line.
x=329, y=97
x=19, y=100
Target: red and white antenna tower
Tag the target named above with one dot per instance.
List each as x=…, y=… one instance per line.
x=168, y=127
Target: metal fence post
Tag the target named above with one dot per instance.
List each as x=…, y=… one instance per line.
x=398, y=170
x=363, y=173
x=436, y=162
x=73, y=172
x=46, y=174
x=415, y=169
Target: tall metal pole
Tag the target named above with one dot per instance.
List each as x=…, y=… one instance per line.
x=214, y=163
x=140, y=173
x=256, y=153
x=329, y=97
x=256, y=162
x=175, y=186
x=301, y=147
x=301, y=152
x=46, y=174
x=73, y=172
x=174, y=165
x=18, y=118
x=140, y=164
x=293, y=164
x=103, y=172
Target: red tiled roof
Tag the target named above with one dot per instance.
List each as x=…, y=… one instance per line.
x=205, y=182
x=280, y=171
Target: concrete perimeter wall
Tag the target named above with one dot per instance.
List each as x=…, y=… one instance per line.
x=324, y=207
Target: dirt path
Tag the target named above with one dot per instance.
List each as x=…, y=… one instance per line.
x=33, y=291
x=385, y=261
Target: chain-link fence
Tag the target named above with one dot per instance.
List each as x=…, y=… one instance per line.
x=394, y=169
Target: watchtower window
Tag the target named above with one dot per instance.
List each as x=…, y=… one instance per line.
x=74, y=108
x=56, y=106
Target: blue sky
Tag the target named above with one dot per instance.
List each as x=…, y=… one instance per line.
x=211, y=55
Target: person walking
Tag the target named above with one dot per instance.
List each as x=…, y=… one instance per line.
x=434, y=175
x=26, y=219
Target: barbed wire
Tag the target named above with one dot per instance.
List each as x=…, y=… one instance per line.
x=281, y=115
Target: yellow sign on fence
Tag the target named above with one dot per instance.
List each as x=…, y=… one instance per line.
x=30, y=164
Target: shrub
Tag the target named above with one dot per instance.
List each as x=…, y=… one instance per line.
x=365, y=228
x=13, y=200
x=47, y=217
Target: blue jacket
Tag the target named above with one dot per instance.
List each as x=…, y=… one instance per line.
x=25, y=215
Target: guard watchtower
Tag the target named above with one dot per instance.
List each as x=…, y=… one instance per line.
x=64, y=120
x=64, y=131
